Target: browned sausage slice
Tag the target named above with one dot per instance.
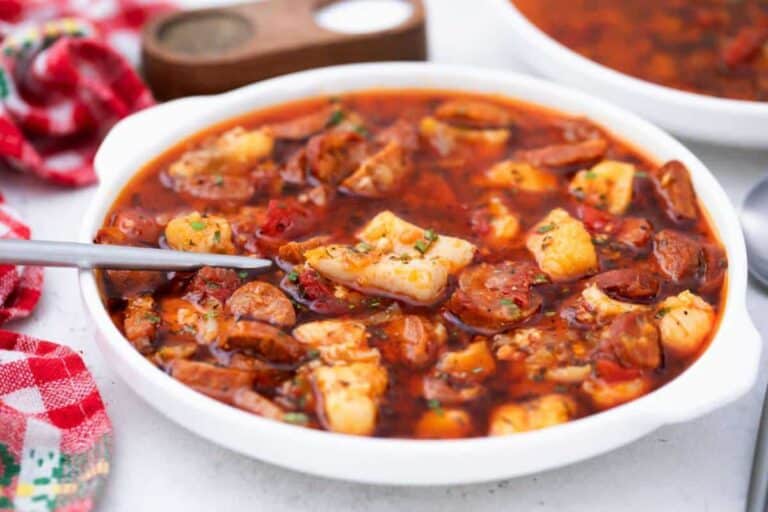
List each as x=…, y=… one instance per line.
x=675, y=192
x=565, y=154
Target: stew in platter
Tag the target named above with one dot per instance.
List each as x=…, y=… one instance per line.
x=447, y=265
x=713, y=47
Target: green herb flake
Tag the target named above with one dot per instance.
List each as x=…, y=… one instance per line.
x=152, y=318
x=293, y=276
x=430, y=235
x=662, y=312
x=374, y=302
x=546, y=228
x=641, y=174
x=421, y=246
x=363, y=247
x=336, y=117
x=540, y=278
x=296, y=418
x=218, y=180
x=436, y=406
x=590, y=175
x=242, y=275
x=313, y=353
x=197, y=225
x=189, y=329
x=362, y=130
x=217, y=237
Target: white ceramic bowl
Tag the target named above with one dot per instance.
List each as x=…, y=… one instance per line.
x=697, y=116
x=724, y=372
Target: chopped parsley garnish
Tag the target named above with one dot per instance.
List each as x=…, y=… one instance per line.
x=363, y=247
x=513, y=308
x=217, y=237
x=296, y=418
x=590, y=175
x=197, y=225
x=641, y=174
x=189, y=329
x=211, y=314
x=335, y=118
x=218, y=180
x=423, y=245
x=374, y=302
x=436, y=406
x=546, y=228
x=293, y=276
x=313, y=353
x=362, y=130
x=662, y=312
x=152, y=318
x=540, y=278
x=242, y=274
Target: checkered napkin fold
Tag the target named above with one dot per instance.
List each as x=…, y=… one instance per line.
x=65, y=80
x=55, y=435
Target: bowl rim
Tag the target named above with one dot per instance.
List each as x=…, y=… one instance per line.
x=618, y=79
x=662, y=406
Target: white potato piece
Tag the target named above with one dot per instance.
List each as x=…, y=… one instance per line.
x=381, y=173
x=198, y=233
x=605, y=394
x=349, y=396
x=235, y=151
x=533, y=414
x=337, y=341
x=608, y=186
x=397, y=258
x=686, y=321
x=472, y=364
x=446, y=138
x=504, y=224
x=604, y=307
x=562, y=247
x=519, y=175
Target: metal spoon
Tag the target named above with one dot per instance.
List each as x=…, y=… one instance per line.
x=91, y=256
x=754, y=220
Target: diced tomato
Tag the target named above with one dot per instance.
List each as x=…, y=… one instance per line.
x=596, y=220
x=614, y=372
x=286, y=219
x=313, y=286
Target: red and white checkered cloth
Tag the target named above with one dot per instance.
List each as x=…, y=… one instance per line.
x=20, y=287
x=55, y=435
x=64, y=81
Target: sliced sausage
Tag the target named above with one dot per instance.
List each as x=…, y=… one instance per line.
x=675, y=192
x=332, y=156
x=634, y=339
x=214, y=381
x=493, y=297
x=130, y=226
x=558, y=155
x=258, y=300
x=634, y=233
x=677, y=254
x=268, y=341
x=474, y=114
x=631, y=284
x=130, y=283
x=210, y=282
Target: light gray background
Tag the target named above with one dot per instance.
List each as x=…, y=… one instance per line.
x=698, y=466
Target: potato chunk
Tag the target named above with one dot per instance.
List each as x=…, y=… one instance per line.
x=258, y=300
x=686, y=321
x=395, y=258
x=504, y=225
x=533, y=414
x=141, y=322
x=446, y=138
x=603, y=307
x=470, y=365
x=380, y=174
x=608, y=186
x=449, y=423
x=198, y=233
x=520, y=176
x=606, y=394
x=234, y=152
x=349, y=396
x=337, y=340
x=562, y=246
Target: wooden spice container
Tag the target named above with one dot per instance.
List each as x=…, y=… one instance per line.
x=213, y=50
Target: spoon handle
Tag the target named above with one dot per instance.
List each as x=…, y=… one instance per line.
x=757, y=499
x=91, y=256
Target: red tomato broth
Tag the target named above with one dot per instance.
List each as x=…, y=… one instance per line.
x=440, y=195
x=713, y=47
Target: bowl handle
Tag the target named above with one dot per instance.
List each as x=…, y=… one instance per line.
x=141, y=126
x=724, y=377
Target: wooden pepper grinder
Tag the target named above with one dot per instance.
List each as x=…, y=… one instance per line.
x=212, y=50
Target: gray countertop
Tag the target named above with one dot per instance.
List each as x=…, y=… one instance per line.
x=702, y=465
